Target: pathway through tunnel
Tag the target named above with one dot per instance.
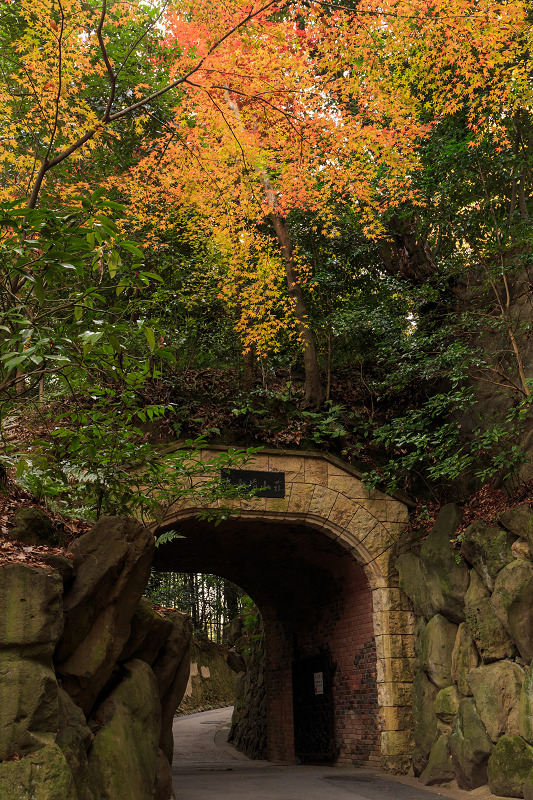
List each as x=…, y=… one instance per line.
x=316, y=606
x=205, y=767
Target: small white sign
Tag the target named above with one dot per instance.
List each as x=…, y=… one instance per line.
x=319, y=682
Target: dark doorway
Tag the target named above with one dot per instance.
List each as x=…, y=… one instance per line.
x=312, y=686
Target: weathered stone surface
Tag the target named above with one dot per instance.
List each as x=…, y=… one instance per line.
x=509, y=766
x=63, y=565
x=44, y=775
x=435, y=582
x=108, y=559
x=439, y=561
x=32, y=526
x=424, y=694
x=488, y=549
x=28, y=704
x=447, y=704
x=512, y=600
x=491, y=638
x=439, y=769
x=496, y=689
x=525, y=708
x=470, y=747
x=30, y=624
x=464, y=658
x=171, y=670
x=112, y=563
x=528, y=787
x=74, y=738
x=436, y=646
x=477, y=591
x=519, y=520
x=148, y=632
x=163, y=778
x=31, y=601
x=425, y=596
x=123, y=757
x=521, y=549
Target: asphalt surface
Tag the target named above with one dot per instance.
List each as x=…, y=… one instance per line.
x=206, y=767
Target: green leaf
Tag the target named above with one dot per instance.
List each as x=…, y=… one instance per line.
x=150, y=337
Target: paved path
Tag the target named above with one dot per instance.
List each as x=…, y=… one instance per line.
x=206, y=767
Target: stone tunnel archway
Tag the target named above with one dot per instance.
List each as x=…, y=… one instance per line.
x=319, y=564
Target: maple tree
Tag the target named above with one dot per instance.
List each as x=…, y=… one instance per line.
x=259, y=135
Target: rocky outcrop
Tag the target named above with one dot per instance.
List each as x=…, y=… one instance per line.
x=90, y=673
x=248, y=724
x=211, y=682
x=483, y=713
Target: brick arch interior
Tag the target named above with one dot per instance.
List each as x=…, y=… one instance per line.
x=314, y=598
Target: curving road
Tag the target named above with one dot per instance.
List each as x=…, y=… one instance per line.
x=206, y=767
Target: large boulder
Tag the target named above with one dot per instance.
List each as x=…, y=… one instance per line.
x=439, y=561
x=74, y=739
x=496, y=689
x=424, y=694
x=492, y=640
x=32, y=526
x=519, y=520
x=149, y=630
x=112, y=563
x=435, y=582
x=509, y=766
x=30, y=625
x=44, y=775
x=436, y=647
x=464, y=658
x=439, y=768
x=470, y=747
x=123, y=757
x=525, y=708
x=488, y=549
x=512, y=600
x=171, y=671
x=447, y=704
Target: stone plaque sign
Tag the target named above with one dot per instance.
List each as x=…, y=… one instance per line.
x=265, y=484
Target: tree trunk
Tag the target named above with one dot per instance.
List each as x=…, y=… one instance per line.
x=314, y=391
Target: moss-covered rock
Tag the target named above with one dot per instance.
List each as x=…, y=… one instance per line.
x=509, y=766
x=492, y=640
x=436, y=646
x=424, y=694
x=464, y=658
x=123, y=757
x=435, y=582
x=496, y=689
x=470, y=747
x=149, y=630
x=211, y=681
x=519, y=520
x=439, y=562
x=525, y=708
x=74, y=739
x=512, y=601
x=32, y=526
x=112, y=564
x=447, y=704
x=439, y=768
x=44, y=775
x=488, y=549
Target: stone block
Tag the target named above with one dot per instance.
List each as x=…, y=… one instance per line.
x=342, y=511
x=396, y=718
x=292, y=466
x=300, y=498
x=394, y=694
x=496, y=689
x=31, y=602
x=347, y=485
x=322, y=501
x=394, y=669
x=396, y=743
x=316, y=471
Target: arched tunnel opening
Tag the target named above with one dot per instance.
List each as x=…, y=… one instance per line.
x=316, y=605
